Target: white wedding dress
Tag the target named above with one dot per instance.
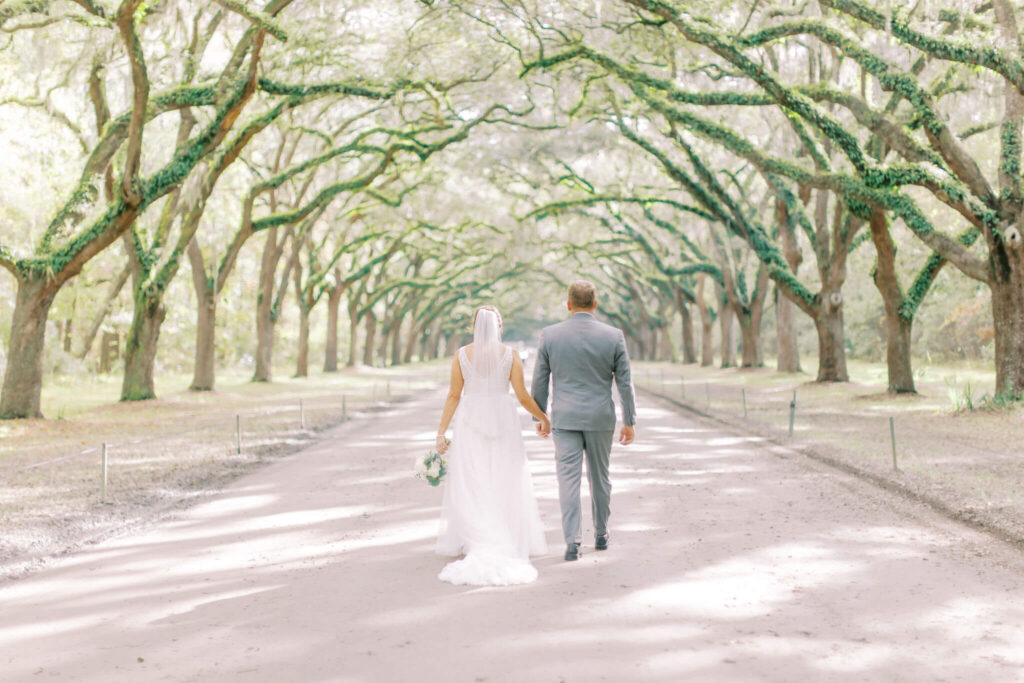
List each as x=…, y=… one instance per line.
x=489, y=510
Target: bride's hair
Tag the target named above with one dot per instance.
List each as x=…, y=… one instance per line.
x=487, y=308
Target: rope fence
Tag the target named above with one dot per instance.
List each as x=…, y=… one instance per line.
x=131, y=463
x=806, y=414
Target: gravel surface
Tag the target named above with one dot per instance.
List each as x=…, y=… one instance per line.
x=731, y=559
x=163, y=455
x=969, y=464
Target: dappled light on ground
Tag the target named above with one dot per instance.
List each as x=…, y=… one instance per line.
x=727, y=563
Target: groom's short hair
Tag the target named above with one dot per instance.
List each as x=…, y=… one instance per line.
x=582, y=294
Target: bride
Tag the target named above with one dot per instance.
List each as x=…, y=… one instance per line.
x=489, y=510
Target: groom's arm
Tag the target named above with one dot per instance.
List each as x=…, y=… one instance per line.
x=624, y=382
x=541, y=376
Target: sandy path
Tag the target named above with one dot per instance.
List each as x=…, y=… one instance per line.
x=729, y=562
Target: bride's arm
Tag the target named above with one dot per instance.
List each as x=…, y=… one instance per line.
x=450, y=404
x=519, y=386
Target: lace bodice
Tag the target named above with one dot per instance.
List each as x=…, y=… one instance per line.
x=486, y=384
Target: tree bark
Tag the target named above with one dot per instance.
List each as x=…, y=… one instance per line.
x=331, y=353
x=385, y=343
x=725, y=314
x=141, y=346
x=451, y=345
x=897, y=325
x=353, y=337
x=302, y=357
x=707, y=352
x=266, y=305
x=785, y=310
x=204, y=372
x=750, y=333
x=396, y=343
x=116, y=285
x=415, y=335
x=785, y=319
x=23, y=379
x=204, y=367
x=689, y=340
x=66, y=334
x=831, y=339
x=667, y=351
x=1008, y=318
x=371, y=331
x=264, y=332
x=750, y=322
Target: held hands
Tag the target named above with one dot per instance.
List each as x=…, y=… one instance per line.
x=544, y=428
x=627, y=435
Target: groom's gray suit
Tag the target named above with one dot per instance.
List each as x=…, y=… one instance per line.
x=583, y=356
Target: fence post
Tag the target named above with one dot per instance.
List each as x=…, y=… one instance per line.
x=663, y=380
x=682, y=386
x=792, y=413
x=103, y=487
x=387, y=391
x=707, y=392
x=302, y=415
x=744, y=390
x=238, y=434
x=892, y=434
x=344, y=408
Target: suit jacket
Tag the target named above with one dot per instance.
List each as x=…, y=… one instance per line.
x=583, y=356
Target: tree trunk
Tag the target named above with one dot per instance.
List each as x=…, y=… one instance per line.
x=110, y=349
x=424, y=342
x=667, y=351
x=785, y=309
x=264, y=335
x=749, y=318
x=831, y=340
x=435, y=349
x=353, y=335
x=204, y=371
x=689, y=337
x=707, y=348
x=265, y=317
x=371, y=331
x=414, y=336
x=1008, y=319
x=94, y=327
x=23, y=378
x=302, y=358
x=141, y=346
x=385, y=342
x=785, y=319
x=750, y=333
x=897, y=326
x=396, y=344
x=725, y=314
x=331, y=353
x=451, y=345
x=66, y=334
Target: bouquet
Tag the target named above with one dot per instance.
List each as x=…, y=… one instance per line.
x=431, y=467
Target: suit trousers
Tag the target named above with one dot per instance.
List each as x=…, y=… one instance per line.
x=570, y=448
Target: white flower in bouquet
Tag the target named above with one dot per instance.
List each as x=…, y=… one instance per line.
x=431, y=468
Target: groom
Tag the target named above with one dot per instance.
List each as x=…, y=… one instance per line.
x=583, y=355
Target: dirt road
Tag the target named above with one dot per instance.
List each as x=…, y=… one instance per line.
x=729, y=561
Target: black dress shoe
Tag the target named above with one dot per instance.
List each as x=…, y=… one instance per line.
x=601, y=542
x=572, y=552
